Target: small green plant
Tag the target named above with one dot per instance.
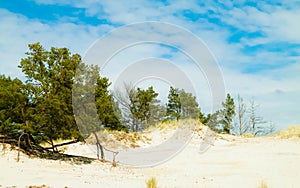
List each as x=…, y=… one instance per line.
x=151, y=183
x=263, y=184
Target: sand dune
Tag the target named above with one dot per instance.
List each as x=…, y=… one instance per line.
x=229, y=162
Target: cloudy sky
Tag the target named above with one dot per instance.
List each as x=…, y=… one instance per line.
x=255, y=44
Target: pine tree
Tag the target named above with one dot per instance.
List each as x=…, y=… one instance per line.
x=227, y=113
x=107, y=108
x=14, y=103
x=189, y=105
x=174, y=104
x=50, y=75
x=137, y=105
x=146, y=100
x=204, y=118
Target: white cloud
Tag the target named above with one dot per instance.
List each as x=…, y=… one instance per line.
x=277, y=23
x=17, y=31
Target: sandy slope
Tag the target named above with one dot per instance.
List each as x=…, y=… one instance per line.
x=230, y=162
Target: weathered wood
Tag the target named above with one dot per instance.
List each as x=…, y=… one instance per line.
x=36, y=150
x=115, y=153
x=62, y=144
x=99, y=147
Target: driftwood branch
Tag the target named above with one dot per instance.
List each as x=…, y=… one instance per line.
x=62, y=144
x=115, y=153
x=100, y=149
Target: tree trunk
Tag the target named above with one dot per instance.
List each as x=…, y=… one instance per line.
x=241, y=125
x=52, y=145
x=99, y=147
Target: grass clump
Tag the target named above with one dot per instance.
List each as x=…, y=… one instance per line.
x=151, y=183
x=248, y=135
x=39, y=186
x=292, y=131
x=167, y=124
x=263, y=184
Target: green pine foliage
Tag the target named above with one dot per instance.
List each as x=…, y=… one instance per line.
x=181, y=104
x=174, y=104
x=221, y=120
x=50, y=76
x=42, y=107
x=14, y=107
x=228, y=112
x=189, y=105
x=141, y=105
x=107, y=109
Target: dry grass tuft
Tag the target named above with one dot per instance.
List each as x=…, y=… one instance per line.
x=292, y=131
x=130, y=139
x=175, y=124
x=263, y=184
x=167, y=125
x=4, y=147
x=151, y=183
x=248, y=135
x=38, y=186
x=119, y=139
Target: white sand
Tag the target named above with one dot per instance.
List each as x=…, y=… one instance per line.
x=230, y=162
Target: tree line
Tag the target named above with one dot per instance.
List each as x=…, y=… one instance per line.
x=237, y=118
x=41, y=107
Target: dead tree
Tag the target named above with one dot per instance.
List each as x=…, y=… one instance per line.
x=241, y=113
x=99, y=147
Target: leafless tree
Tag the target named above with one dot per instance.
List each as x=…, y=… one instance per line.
x=271, y=128
x=126, y=99
x=241, y=116
x=256, y=122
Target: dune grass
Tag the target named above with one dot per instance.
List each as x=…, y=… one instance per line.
x=173, y=124
x=248, y=135
x=292, y=131
x=263, y=184
x=151, y=183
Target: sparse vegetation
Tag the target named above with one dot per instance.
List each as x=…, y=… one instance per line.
x=263, y=184
x=248, y=135
x=292, y=131
x=39, y=186
x=167, y=124
x=151, y=183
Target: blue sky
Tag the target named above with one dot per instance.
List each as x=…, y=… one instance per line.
x=256, y=44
